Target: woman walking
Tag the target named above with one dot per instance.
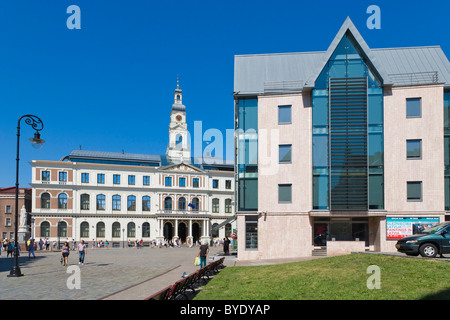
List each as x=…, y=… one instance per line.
x=65, y=253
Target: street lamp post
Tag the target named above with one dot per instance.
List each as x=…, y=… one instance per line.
x=37, y=142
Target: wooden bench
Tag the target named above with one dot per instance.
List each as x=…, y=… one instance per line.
x=179, y=288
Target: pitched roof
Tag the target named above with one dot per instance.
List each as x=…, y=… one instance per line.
x=294, y=72
x=206, y=163
x=348, y=26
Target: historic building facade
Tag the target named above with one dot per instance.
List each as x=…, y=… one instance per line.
x=7, y=213
x=121, y=197
x=338, y=151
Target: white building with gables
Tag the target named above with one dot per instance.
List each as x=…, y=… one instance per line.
x=122, y=197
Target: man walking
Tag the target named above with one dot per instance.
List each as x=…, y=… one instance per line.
x=31, y=248
x=203, y=253
x=81, y=249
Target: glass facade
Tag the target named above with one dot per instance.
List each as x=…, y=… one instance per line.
x=247, y=154
x=347, y=133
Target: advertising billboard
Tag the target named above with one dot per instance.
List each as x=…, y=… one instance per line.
x=400, y=227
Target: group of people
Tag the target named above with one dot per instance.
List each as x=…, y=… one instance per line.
x=8, y=246
x=65, y=252
x=204, y=250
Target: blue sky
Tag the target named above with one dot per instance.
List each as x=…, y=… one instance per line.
x=109, y=86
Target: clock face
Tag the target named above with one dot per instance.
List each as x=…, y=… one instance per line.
x=179, y=118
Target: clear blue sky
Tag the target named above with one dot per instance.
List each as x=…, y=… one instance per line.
x=109, y=86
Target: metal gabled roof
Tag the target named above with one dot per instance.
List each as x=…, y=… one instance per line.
x=254, y=74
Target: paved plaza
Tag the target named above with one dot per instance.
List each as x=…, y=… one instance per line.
x=114, y=273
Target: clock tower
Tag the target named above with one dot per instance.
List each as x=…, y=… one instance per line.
x=178, y=150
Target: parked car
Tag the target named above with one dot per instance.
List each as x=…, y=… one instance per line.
x=432, y=241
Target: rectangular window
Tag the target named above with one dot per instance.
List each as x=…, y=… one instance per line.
x=63, y=177
x=413, y=149
x=168, y=181
x=101, y=178
x=182, y=182
x=284, y=193
x=413, y=107
x=251, y=232
x=284, y=115
x=146, y=180
x=8, y=222
x=195, y=183
x=227, y=184
x=85, y=177
x=131, y=180
x=414, y=190
x=215, y=184
x=116, y=179
x=8, y=209
x=45, y=175
x=284, y=152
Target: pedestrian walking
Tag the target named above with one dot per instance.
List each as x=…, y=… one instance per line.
x=203, y=253
x=226, y=245
x=31, y=248
x=81, y=250
x=9, y=249
x=65, y=253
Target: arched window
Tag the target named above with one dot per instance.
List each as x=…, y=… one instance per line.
x=62, y=201
x=168, y=204
x=146, y=230
x=228, y=206
x=45, y=201
x=84, y=201
x=62, y=229
x=131, y=230
x=145, y=203
x=101, y=202
x=182, y=203
x=45, y=229
x=196, y=204
x=116, y=202
x=84, y=230
x=116, y=230
x=100, y=230
x=228, y=229
x=131, y=203
x=215, y=231
x=215, y=205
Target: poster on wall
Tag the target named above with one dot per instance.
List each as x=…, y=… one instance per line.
x=400, y=227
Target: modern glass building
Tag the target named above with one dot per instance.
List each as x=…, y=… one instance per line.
x=340, y=150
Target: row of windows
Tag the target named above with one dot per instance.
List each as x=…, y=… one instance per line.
x=132, y=180
x=131, y=203
x=100, y=230
x=413, y=151
x=413, y=191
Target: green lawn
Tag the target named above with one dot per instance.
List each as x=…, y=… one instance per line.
x=333, y=278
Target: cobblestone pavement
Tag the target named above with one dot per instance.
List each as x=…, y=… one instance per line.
x=105, y=272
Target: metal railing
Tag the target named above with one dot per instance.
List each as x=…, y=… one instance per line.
x=283, y=86
x=416, y=78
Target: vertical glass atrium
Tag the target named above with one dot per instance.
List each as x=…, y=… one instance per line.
x=347, y=133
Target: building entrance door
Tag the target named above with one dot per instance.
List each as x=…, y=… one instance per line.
x=182, y=232
x=168, y=234
x=195, y=232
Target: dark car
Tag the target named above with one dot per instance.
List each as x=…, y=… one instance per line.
x=431, y=241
